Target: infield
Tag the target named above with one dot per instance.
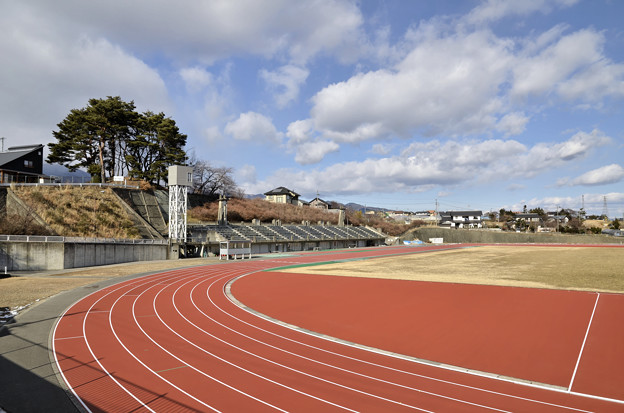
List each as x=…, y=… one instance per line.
x=559, y=267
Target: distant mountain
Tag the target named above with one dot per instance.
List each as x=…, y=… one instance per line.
x=254, y=196
x=364, y=208
x=65, y=174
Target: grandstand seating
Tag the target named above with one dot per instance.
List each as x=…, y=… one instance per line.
x=267, y=233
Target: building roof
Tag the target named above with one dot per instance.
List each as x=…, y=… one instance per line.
x=319, y=200
x=282, y=191
x=16, y=152
x=528, y=215
x=462, y=213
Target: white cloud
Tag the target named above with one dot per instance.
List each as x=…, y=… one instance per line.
x=212, y=134
x=313, y=152
x=53, y=70
x=424, y=165
x=461, y=82
x=512, y=123
x=286, y=80
x=492, y=10
x=196, y=78
x=579, y=144
x=381, y=149
x=609, y=174
x=445, y=85
x=209, y=31
x=601, y=79
x=299, y=132
x=544, y=72
x=255, y=127
x=247, y=174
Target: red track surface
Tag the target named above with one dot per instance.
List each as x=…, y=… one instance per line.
x=176, y=342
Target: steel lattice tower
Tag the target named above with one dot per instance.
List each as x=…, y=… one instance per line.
x=180, y=178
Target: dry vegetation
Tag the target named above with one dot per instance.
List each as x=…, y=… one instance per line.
x=79, y=212
x=26, y=289
x=578, y=268
x=240, y=210
x=14, y=224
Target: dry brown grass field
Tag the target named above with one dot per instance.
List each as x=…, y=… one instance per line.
x=560, y=267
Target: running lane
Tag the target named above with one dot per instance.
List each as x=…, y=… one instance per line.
x=175, y=341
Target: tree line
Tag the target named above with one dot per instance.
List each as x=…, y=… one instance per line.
x=110, y=138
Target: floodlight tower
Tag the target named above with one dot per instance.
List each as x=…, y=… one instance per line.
x=180, y=178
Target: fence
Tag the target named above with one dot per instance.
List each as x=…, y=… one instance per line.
x=55, y=238
x=64, y=184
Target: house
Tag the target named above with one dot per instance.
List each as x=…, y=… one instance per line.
x=529, y=217
x=281, y=195
x=22, y=164
x=319, y=203
x=461, y=219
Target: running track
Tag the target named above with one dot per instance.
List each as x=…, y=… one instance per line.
x=176, y=341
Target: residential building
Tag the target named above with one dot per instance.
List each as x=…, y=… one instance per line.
x=461, y=219
x=22, y=164
x=281, y=195
x=529, y=217
x=319, y=203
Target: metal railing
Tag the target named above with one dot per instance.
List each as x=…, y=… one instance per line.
x=84, y=240
x=63, y=184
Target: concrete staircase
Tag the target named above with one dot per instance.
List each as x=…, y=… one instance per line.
x=145, y=212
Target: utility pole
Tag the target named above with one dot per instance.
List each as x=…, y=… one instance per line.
x=2, y=139
x=605, y=211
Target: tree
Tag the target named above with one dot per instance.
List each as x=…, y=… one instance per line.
x=210, y=180
x=90, y=137
x=109, y=138
x=505, y=215
x=538, y=211
x=157, y=145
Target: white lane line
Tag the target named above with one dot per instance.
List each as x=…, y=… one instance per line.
x=182, y=361
x=110, y=321
x=281, y=324
x=233, y=364
x=329, y=365
x=578, y=361
x=120, y=287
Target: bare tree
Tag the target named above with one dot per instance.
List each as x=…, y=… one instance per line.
x=211, y=180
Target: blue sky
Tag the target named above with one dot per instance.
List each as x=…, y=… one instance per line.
x=476, y=104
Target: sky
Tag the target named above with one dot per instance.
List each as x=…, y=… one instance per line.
x=396, y=104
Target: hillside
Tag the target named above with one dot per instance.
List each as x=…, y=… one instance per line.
x=91, y=211
x=245, y=210
x=74, y=211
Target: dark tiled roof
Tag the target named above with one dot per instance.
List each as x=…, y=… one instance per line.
x=281, y=191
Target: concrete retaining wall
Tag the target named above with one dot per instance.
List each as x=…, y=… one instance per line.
x=40, y=256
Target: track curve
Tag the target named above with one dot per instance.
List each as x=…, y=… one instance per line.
x=175, y=341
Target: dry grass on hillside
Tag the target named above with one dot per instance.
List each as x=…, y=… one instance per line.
x=576, y=268
x=240, y=210
x=79, y=211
